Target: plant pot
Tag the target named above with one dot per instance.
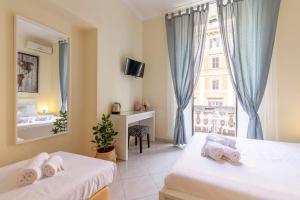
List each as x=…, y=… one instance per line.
x=110, y=155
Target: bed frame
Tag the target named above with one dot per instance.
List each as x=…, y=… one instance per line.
x=167, y=194
x=103, y=194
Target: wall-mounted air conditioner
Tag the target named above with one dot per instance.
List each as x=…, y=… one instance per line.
x=39, y=47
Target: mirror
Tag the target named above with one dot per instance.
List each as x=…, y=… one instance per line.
x=42, y=65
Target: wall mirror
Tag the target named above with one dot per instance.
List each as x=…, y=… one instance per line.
x=42, y=67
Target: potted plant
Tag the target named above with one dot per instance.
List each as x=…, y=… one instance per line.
x=61, y=123
x=104, y=136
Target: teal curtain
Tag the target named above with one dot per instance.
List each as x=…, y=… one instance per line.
x=248, y=32
x=63, y=47
x=186, y=40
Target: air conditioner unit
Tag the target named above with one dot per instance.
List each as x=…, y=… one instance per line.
x=39, y=47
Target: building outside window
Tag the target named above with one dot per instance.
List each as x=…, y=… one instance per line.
x=214, y=108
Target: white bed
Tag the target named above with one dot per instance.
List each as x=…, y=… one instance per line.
x=35, y=127
x=30, y=124
x=36, y=121
x=83, y=177
x=268, y=170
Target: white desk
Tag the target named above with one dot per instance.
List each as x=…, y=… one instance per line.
x=122, y=122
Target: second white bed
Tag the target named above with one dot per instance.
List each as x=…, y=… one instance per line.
x=83, y=176
x=268, y=170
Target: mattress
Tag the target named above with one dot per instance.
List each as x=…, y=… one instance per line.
x=268, y=170
x=83, y=176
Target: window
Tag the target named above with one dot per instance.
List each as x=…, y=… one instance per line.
x=214, y=42
x=214, y=96
x=213, y=23
x=215, y=84
x=215, y=62
x=215, y=103
x=213, y=20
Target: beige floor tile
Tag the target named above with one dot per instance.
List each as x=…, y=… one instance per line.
x=152, y=197
x=139, y=187
x=159, y=180
x=142, y=176
x=117, y=191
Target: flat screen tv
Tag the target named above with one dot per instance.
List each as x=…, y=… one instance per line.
x=134, y=68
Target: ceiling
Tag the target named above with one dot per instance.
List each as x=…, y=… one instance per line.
x=147, y=9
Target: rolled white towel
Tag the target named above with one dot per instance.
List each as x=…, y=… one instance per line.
x=231, y=154
x=52, y=166
x=221, y=139
x=213, y=150
x=32, y=171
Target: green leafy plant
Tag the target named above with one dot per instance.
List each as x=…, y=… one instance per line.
x=104, y=134
x=60, y=124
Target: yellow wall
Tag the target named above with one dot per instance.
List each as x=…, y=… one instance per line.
x=288, y=69
x=120, y=36
x=157, y=85
x=284, y=79
x=90, y=93
x=40, y=12
x=48, y=75
x=96, y=57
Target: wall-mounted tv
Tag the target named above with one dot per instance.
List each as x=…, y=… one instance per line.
x=134, y=68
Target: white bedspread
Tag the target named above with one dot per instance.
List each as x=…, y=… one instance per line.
x=83, y=176
x=268, y=170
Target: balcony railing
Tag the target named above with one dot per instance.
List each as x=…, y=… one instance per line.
x=221, y=120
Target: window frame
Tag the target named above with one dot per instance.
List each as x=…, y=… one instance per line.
x=213, y=85
x=215, y=62
x=214, y=42
x=215, y=103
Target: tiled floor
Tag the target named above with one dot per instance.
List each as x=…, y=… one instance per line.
x=142, y=176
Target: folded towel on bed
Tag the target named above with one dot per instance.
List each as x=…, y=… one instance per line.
x=213, y=150
x=221, y=139
x=32, y=171
x=52, y=166
x=231, y=154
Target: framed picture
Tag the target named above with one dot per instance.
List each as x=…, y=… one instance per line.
x=27, y=73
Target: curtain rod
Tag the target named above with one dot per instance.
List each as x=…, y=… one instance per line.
x=189, y=5
x=192, y=5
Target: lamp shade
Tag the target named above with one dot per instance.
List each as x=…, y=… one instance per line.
x=44, y=108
